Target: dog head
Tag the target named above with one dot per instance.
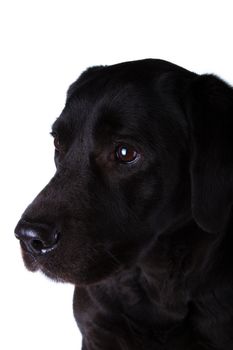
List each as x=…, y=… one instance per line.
x=140, y=148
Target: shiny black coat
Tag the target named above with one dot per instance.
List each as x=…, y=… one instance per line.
x=138, y=215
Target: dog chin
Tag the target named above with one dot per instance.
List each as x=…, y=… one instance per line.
x=33, y=265
x=83, y=274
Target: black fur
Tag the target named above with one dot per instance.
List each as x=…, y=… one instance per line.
x=147, y=243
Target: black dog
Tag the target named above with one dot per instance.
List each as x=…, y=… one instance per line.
x=138, y=215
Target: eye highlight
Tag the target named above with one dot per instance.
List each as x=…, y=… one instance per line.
x=126, y=153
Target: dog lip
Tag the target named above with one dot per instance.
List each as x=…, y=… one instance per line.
x=29, y=260
x=25, y=250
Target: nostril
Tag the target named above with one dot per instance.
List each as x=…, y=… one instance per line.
x=37, y=245
x=36, y=238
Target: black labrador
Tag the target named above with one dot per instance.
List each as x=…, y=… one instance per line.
x=138, y=215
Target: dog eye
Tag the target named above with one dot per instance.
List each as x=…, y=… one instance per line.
x=57, y=143
x=126, y=153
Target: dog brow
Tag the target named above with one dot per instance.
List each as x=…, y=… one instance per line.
x=60, y=128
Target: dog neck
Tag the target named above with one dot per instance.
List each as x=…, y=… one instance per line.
x=159, y=287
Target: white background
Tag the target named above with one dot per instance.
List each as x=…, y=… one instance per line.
x=44, y=46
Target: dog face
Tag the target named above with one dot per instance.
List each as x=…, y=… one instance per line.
x=122, y=152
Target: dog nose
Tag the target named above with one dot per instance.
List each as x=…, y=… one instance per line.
x=37, y=238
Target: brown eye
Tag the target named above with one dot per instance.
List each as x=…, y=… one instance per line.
x=57, y=143
x=59, y=147
x=126, y=153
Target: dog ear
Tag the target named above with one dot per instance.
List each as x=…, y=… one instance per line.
x=210, y=114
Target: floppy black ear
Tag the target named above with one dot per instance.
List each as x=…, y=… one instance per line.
x=210, y=114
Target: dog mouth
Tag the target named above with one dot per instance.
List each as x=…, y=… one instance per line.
x=42, y=263
x=32, y=258
x=30, y=262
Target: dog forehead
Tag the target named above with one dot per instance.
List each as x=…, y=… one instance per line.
x=123, y=95
x=112, y=80
x=94, y=106
x=121, y=110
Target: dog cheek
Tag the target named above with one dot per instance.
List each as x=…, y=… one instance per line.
x=143, y=195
